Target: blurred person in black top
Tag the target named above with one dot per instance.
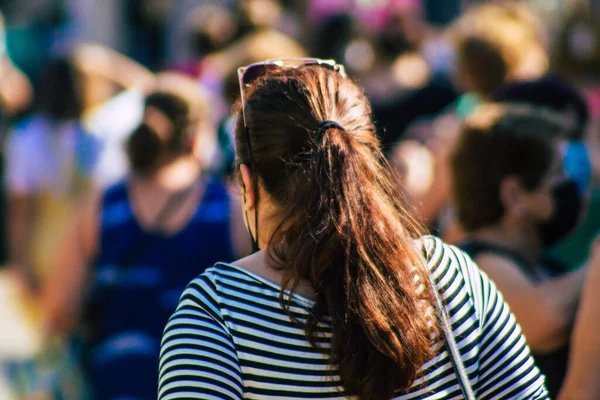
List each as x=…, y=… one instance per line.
x=514, y=199
x=581, y=158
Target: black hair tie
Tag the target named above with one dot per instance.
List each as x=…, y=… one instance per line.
x=326, y=125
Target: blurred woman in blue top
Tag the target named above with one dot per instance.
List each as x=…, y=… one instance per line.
x=146, y=237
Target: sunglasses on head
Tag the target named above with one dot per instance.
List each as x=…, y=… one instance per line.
x=249, y=74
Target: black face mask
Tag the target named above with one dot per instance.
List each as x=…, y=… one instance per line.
x=253, y=238
x=568, y=206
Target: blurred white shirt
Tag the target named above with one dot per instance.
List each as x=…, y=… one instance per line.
x=112, y=124
x=43, y=155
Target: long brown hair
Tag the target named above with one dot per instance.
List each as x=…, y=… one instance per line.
x=343, y=226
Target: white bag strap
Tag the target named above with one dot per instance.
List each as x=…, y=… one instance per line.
x=451, y=346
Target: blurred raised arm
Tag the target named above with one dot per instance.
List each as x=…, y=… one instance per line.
x=582, y=381
x=107, y=63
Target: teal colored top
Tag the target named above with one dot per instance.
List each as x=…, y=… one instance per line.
x=574, y=250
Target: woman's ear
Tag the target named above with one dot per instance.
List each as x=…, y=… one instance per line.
x=249, y=199
x=510, y=194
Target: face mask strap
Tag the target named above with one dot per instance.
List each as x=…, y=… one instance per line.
x=259, y=69
x=253, y=238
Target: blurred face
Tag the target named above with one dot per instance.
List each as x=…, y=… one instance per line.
x=538, y=204
x=556, y=207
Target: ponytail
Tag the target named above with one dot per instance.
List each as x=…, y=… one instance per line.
x=358, y=256
x=343, y=229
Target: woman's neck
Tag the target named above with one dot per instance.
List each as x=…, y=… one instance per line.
x=260, y=264
x=513, y=238
x=151, y=195
x=175, y=175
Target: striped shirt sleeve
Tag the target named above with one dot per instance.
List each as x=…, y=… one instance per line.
x=198, y=358
x=507, y=370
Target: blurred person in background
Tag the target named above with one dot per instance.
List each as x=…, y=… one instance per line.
x=497, y=42
x=49, y=162
x=493, y=43
x=568, y=103
x=132, y=250
x=119, y=105
x=17, y=342
x=16, y=95
x=52, y=159
x=514, y=199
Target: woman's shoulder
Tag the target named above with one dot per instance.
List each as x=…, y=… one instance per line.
x=441, y=256
x=204, y=295
x=223, y=282
x=218, y=274
x=221, y=288
x=452, y=270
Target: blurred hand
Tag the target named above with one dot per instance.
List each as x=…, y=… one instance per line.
x=16, y=91
x=98, y=60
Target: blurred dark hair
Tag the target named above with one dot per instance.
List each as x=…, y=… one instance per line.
x=497, y=142
x=145, y=146
x=483, y=63
x=552, y=92
x=343, y=226
x=500, y=30
x=177, y=110
x=392, y=41
x=59, y=93
x=339, y=30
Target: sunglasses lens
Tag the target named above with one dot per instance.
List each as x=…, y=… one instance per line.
x=259, y=70
x=256, y=71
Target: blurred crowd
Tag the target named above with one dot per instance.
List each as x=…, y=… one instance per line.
x=117, y=160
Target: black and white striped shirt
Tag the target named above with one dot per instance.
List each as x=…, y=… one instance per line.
x=230, y=339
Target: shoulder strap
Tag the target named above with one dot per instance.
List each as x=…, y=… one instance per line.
x=172, y=205
x=450, y=341
x=138, y=248
x=452, y=348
